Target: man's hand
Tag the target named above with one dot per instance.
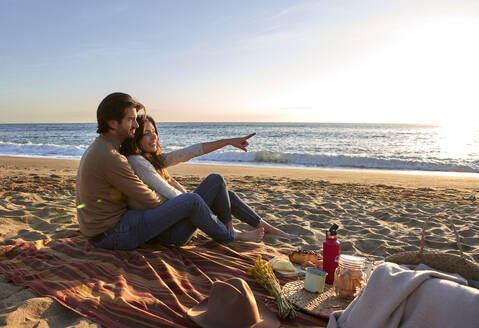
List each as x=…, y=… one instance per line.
x=241, y=143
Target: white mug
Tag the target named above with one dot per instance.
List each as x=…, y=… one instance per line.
x=315, y=280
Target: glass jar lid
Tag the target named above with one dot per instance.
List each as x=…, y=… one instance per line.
x=351, y=261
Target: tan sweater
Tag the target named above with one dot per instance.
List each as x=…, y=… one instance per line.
x=104, y=181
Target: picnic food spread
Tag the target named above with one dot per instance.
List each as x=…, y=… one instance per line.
x=349, y=278
x=279, y=263
x=301, y=256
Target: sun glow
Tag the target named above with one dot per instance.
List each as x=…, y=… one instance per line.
x=456, y=140
x=424, y=72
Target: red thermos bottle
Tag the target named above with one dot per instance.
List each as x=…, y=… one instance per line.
x=330, y=253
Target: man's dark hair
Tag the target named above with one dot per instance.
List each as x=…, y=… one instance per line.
x=113, y=108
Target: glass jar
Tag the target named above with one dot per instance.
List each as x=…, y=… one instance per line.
x=349, y=277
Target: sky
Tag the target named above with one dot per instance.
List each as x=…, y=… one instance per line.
x=384, y=61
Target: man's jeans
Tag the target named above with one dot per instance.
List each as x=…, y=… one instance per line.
x=175, y=221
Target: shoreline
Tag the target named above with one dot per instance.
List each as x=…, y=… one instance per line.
x=423, y=179
x=286, y=167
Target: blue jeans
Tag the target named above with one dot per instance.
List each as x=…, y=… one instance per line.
x=224, y=202
x=175, y=221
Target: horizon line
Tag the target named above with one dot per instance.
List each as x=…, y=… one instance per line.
x=244, y=122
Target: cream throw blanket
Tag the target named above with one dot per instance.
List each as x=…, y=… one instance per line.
x=398, y=297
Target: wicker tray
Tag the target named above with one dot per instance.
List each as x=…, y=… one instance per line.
x=318, y=304
x=439, y=260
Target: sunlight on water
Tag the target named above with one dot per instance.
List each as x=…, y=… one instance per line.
x=458, y=141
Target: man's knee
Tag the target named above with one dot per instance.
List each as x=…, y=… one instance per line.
x=193, y=200
x=191, y=197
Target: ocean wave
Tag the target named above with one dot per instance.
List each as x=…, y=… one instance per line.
x=41, y=150
x=343, y=161
x=271, y=157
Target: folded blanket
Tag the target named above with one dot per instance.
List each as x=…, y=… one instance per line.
x=142, y=288
x=399, y=297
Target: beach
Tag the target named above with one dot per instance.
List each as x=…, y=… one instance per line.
x=379, y=213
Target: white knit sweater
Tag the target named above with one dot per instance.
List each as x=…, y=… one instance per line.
x=147, y=173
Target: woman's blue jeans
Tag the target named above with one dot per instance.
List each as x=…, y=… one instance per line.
x=175, y=221
x=224, y=202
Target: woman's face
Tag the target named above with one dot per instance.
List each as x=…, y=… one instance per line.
x=149, y=141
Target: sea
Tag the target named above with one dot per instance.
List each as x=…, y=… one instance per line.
x=399, y=147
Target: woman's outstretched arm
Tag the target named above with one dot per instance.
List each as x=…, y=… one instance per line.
x=185, y=154
x=240, y=143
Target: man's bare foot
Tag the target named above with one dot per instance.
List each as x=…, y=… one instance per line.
x=268, y=228
x=253, y=235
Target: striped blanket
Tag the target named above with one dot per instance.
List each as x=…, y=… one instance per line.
x=142, y=288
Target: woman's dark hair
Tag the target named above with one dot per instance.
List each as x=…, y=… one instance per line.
x=132, y=146
x=113, y=108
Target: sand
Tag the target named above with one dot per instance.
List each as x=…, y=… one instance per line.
x=379, y=213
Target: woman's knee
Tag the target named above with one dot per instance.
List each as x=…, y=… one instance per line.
x=217, y=178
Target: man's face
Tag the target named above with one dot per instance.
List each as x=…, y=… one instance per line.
x=127, y=126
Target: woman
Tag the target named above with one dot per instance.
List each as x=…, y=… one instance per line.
x=149, y=162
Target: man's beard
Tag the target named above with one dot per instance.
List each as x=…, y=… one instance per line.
x=127, y=135
x=131, y=133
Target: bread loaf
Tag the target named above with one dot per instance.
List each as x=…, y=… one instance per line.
x=301, y=256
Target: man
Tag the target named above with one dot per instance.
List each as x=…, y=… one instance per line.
x=104, y=176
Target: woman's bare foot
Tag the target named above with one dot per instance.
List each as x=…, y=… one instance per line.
x=268, y=228
x=253, y=235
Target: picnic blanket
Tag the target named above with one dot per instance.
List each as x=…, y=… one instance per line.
x=147, y=287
